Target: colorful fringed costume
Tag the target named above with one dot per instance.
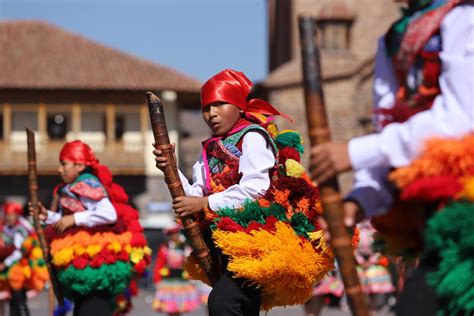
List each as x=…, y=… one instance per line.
x=443, y=178
x=22, y=255
x=175, y=293
x=274, y=241
x=372, y=266
x=263, y=207
x=422, y=89
x=96, y=259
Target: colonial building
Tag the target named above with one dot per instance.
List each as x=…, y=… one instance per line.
x=67, y=87
x=348, y=33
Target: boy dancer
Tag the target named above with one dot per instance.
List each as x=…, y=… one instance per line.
x=96, y=241
x=259, y=205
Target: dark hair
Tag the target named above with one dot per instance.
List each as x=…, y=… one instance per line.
x=87, y=169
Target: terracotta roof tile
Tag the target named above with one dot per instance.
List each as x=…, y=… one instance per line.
x=37, y=55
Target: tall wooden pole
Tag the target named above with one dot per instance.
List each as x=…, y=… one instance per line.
x=318, y=129
x=33, y=189
x=162, y=142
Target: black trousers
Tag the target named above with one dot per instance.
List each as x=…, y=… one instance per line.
x=230, y=296
x=417, y=297
x=93, y=305
x=18, y=305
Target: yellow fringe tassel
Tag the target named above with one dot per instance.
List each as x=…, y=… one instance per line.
x=283, y=265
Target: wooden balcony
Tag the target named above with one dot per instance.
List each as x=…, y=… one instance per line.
x=121, y=157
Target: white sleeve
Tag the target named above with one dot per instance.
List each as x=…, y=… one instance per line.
x=370, y=178
x=16, y=255
x=96, y=213
x=53, y=217
x=198, y=186
x=452, y=114
x=385, y=83
x=255, y=163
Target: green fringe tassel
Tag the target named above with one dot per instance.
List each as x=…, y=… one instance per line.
x=291, y=139
x=252, y=211
x=111, y=279
x=450, y=233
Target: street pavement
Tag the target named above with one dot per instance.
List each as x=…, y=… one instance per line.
x=142, y=306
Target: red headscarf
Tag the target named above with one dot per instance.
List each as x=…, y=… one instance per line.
x=13, y=208
x=233, y=87
x=78, y=152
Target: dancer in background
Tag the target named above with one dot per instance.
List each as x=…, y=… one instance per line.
x=175, y=293
x=96, y=242
x=22, y=267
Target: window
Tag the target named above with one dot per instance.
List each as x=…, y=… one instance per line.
x=58, y=125
x=335, y=34
x=21, y=120
x=119, y=126
x=126, y=122
x=93, y=122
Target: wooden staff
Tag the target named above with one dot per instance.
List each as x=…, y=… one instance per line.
x=33, y=188
x=318, y=130
x=162, y=142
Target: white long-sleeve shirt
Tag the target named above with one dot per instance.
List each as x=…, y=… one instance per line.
x=18, y=239
x=255, y=163
x=452, y=113
x=96, y=213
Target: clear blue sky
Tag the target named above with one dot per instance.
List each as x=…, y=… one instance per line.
x=198, y=37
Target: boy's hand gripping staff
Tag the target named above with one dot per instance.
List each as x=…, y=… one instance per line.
x=162, y=142
x=318, y=130
x=33, y=188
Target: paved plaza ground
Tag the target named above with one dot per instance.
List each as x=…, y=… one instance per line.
x=142, y=307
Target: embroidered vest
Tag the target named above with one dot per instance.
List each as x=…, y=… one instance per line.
x=223, y=158
x=417, y=66
x=86, y=185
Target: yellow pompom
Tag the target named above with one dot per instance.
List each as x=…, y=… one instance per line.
x=272, y=129
x=93, y=250
x=115, y=247
x=294, y=169
x=164, y=271
x=63, y=257
x=26, y=272
x=468, y=188
x=79, y=250
x=36, y=253
x=136, y=255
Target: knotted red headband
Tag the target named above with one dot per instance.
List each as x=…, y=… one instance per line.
x=233, y=87
x=78, y=152
x=13, y=208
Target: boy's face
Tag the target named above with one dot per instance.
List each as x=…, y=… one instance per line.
x=69, y=170
x=221, y=117
x=11, y=219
